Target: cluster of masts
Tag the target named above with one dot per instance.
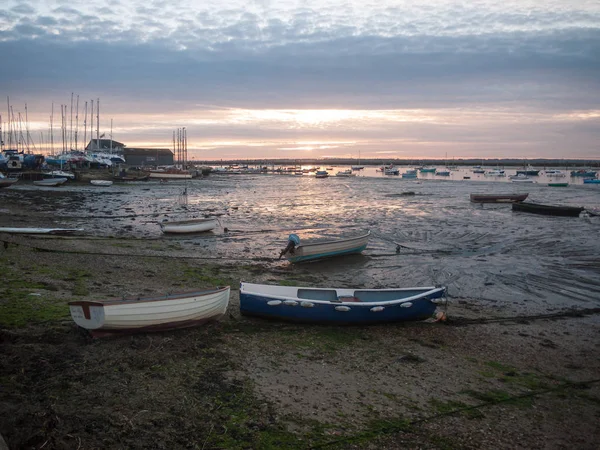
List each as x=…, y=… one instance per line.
x=180, y=147
x=15, y=135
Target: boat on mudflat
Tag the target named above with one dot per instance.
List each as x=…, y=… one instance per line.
x=130, y=178
x=548, y=210
x=557, y=184
x=50, y=182
x=101, y=182
x=170, y=174
x=340, y=305
x=296, y=252
x=584, y=173
x=498, y=198
x=189, y=226
x=130, y=315
x=591, y=181
x=7, y=182
x=30, y=230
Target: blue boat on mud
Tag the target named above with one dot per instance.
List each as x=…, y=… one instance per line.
x=340, y=305
x=591, y=181
x=296, y=252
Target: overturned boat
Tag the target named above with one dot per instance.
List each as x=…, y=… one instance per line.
x=187, y=309
x=340, y=305
x=296, y=252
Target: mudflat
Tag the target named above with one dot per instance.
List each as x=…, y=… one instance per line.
x=510, y=368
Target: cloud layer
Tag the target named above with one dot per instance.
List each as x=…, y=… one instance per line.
x=519, y=77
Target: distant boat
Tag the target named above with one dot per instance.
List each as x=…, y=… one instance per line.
x=61, y=174
x=296, y=252
x=168, y=174
x=130, y=178
x=358, y=166
x=498, y=198
x=321, y=174
x=109, y=317
x=548, y=210
x=391, y=171
x=559, y=184
x=345, y=173
x=591, y=181
x=443, y=173
x=555, y=173
x=427, y=169
x=339, y=305
x=101, y=182
x=528, y=170
x=50, y=182
x=26, y=230
x=520, y=178
x=478, y=171
x=495, y=173
x=410, y=173
x=584, y=173
x=7, y=182
x=189, y=226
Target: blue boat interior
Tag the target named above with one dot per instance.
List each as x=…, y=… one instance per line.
x=330, y=295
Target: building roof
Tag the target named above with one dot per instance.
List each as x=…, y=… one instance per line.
x=104, y=144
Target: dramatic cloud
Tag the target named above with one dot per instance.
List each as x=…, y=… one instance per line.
x=520, y=78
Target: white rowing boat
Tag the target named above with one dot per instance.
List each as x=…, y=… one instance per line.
x=50, y=182
x=101, y=182
x=187, y=309
x=296, y=252
x=189, y=226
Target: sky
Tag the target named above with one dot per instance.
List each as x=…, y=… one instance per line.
x=310, y=79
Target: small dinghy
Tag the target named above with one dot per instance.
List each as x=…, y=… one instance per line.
x=296, y=252
x=101, y=182
x=188, y=309
x=339, y=305
x=498, y=198
x=50, y=182
x=7, y=182
x=548, y=210
x=14, y=230
x=189, y=226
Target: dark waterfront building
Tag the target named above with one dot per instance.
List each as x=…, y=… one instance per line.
x=148, y=156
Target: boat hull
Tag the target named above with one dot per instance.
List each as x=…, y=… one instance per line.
x=547, y=210
x=50, y=182
x=170, y=176
x=189, y=226
x=498, y=198
x=311, y=252
x=150, y=314
x=346, y=306
x=592, y=181
x=7, y=182
x=101, y=182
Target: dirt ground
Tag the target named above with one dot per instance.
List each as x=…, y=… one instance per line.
x=485, y=379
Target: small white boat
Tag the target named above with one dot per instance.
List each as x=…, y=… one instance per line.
x=187, y=309
x=555, y=173
x=345, y=173
x=520, y=178
x=61, y=174
x=189, y=226
x=170, y=174
x=15, y=230
x=391, y=171
x=101, y=182
x=296, y=252
x=50, y=182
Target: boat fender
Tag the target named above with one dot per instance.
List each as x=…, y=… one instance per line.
x=307, y=304
x=377, y=308
x=290, y=302
x=439, y=301
x=406, y=305
x=274, y=303
x=342, y=308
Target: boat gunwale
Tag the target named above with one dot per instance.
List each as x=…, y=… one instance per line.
x=316, y=244
x=432, y=290
x=137, y=300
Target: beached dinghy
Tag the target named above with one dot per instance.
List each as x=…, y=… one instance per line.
x=101, y=182
x=107, y=317
x=350, y=306
x=296, y=252
x=189, y=226
x=498, y=198
x=548, y=210
x=14, y=230
x=7, y=182
x=50, y=182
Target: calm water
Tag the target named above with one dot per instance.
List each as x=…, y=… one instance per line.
x=487, y=254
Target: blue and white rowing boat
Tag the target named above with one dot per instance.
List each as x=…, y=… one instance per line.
x=296, y=252
x=340, y=306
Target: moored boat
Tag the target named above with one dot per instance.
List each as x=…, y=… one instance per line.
x=391, y=171
x=6, y=182
x=591, y=181
x=130, y=178
x=548, y=210
x=528, y=170
x=101, y=182
x=558, y=184
x=443, y=173
x=187, y=309
x=197, y=225
x=50, y=182
x=168, y=174
x=321, y=174
x=296, y=252
x=584, y=173
x=30, y=230
x=339, y=305
x=498, y=198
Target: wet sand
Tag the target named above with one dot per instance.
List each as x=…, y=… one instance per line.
x=515, y=366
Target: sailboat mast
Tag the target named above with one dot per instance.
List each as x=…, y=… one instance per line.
x=92, y=124
x=85, y=124
x=111, y=136
x=71, y=125
x=98, y=122
x=76, y=122
x=52, y=130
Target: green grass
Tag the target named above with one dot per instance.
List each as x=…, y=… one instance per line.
x=18, y=308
